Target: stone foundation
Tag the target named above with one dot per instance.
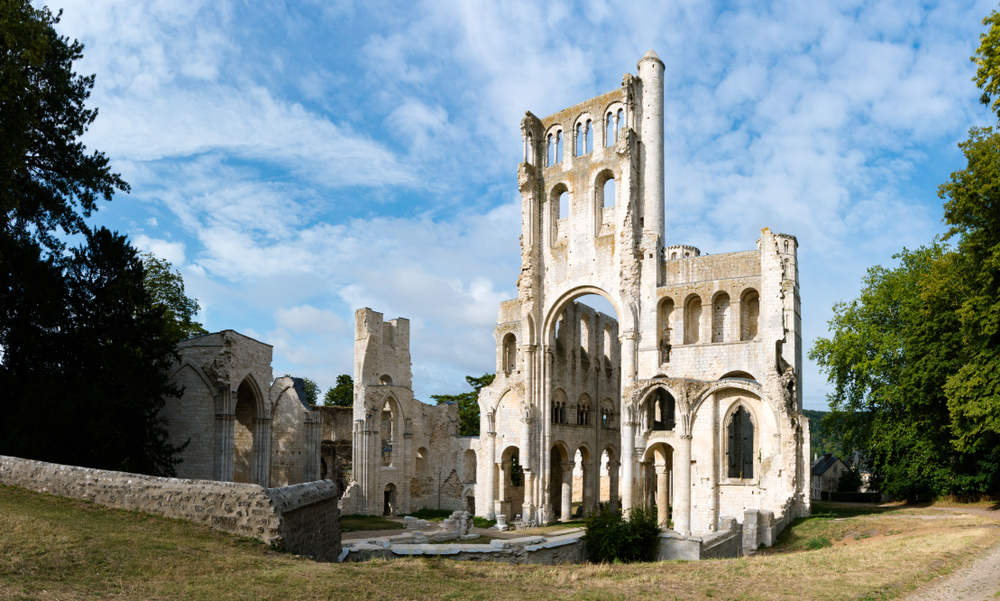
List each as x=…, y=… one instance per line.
x=301, y=519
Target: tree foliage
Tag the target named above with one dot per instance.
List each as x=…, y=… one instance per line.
x=86, y=359
x=85, y=348
x=611, y=537
x=166, y=289
x=468, y=403
x=341, y=395
x=47, y=179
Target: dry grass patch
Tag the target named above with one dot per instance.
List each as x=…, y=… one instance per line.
x=57, y=548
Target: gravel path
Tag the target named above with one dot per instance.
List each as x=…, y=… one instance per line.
x=979, y=581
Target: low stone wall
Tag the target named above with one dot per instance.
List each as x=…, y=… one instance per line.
x=302, y=519
x=547, y=550
x=726, y=542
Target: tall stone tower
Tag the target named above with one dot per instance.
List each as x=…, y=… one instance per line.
x=705, y=416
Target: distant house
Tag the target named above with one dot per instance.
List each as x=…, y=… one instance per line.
x=826, y=470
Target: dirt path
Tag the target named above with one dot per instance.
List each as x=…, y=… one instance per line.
x=979, y=581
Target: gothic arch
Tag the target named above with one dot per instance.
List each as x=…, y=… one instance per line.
x=564, y=299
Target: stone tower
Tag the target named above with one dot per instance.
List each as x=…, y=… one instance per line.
x=706, y=410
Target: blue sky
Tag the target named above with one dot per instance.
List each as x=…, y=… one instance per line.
x=298, y=160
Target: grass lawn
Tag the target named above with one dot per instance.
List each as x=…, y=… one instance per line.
x=358, y=523
x=63, y=549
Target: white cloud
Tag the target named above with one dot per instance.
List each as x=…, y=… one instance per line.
x=172, y=252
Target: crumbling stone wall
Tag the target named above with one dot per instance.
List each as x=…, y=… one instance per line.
x=301, y=519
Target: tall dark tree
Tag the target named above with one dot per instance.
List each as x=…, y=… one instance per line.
x=48, y=180
x=92, y=393
x=468, y=403
x=84, y=347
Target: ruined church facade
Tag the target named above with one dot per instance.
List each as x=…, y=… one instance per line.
x=689, y=398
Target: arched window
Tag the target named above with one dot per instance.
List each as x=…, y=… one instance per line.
x=421, y=465
x=609, y=131
x=549, y=151
x=749, y=315
x=385, y=380
x=588, y=132
x=581, y=142
x=607, y=347
x=558, y=407
x=621, y=123
x=583, y=411
x=388, y=433
x=665, y=316
x=585, y=341
x=739, y=451
x=559, y=146
x=563, y=204
x=609, y=193
x=692, y=320
x=720, y=317
x=607, y=413
x=662, y=411
x=509, y=353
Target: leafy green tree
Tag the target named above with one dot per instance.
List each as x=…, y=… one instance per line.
x=889, y=356
x=968, y=281
x=166, y=289
x=341, y=395
x=468, y=403
x=47, y=179
x=311, y=389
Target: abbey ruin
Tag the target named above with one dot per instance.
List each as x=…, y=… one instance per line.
x=687, y=398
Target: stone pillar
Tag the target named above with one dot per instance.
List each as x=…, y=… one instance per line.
x=682, y=480
x=525, y=455
x=225, y=432
x=663, y=496
x=546, y=513
x=588, y=486
x=261, y=462
x=613, y=483
x=651, y=130
x=406, y=470
x=628, y=465
x=628, y=358
x=489, y=492
x=567, y=490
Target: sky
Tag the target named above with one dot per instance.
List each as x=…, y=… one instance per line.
x=296, y=161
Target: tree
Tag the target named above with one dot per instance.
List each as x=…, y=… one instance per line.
x=341, y=395
x=166, y=289
x=468, y=403
x=311, y=389
x=969, y=280
x=90, y=391
x=47, y=180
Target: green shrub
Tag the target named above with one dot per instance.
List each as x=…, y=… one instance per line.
x=611, y=538
x=818, y=542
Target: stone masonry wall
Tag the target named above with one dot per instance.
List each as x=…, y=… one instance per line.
x=301, y=519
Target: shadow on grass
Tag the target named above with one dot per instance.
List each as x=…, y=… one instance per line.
x=359, y=523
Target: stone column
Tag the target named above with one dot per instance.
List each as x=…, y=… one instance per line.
x=224, y=442
x=525, y=454
x=489, y=493
x=613, y=483
x=588, y=486
x=682, y=479
x=651, y=74
x=567, y=490
x=662, y=496
x=628, y=464
x=546, y=513
x=406, y=471
x=261, y=462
